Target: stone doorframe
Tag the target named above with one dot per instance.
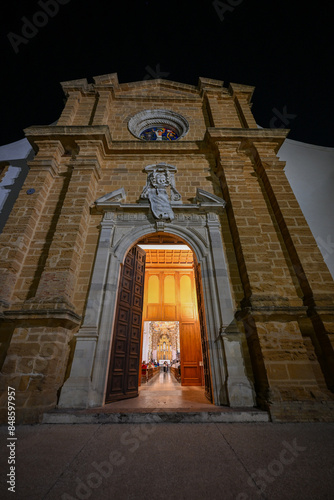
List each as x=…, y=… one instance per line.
x=122, y=226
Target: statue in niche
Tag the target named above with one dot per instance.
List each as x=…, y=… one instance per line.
x=160, y=178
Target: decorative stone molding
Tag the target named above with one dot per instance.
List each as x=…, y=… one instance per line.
x=204, y=198
x=68, y=136
x=64, y=318
x=244, y=137
x=158, y=118
x=123, y=225
x=115, y=197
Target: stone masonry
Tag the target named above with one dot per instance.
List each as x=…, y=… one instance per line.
x=282, y=291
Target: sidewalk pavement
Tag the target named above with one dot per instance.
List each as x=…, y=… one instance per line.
x=170, y=461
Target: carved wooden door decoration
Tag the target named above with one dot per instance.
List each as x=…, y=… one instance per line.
x=204, y=338
x=124, y=360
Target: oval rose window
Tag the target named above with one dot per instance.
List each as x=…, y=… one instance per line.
x=158, y=125
x=159, y=134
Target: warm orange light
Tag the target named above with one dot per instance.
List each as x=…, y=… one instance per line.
x=153, y=290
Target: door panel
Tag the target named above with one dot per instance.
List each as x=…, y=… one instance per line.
x=187, y=312
x=204, y=338
x=124, y=360
x=170, y=313
x=191, y=353
x=153, y=313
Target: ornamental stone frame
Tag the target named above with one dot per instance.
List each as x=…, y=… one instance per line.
x=122, y=226
x=158, y=118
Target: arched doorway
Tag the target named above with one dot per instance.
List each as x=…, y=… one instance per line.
x=122, y=227
x=166, y=295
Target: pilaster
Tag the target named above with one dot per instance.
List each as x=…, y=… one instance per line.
x=71, y=107
x=242, y=95
x=271, y=308
x=57, y=283
x=226, y=349
x=254, y=265
x=309, y=268
x=17, y=235
x=102, y=108
x=313, y=275
x=35, y=366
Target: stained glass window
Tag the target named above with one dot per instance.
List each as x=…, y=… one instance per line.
x=159, y=134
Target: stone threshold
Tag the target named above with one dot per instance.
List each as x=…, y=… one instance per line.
x=155, y=416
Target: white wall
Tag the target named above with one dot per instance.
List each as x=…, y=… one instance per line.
x=310, y=171
x=15, y=150
x=14, y=157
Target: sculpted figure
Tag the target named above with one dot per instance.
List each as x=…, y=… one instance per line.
x=160, y=178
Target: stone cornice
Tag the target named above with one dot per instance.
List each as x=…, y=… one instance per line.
x=110, y=78
x=159, y=82
x=202, y=207
x=123, y=90
x=208, y=86
x=236, y=89
x=111, y=81
x=206, y=83
x=157, y=147
x=164, y=98
x=272, y=312
x=46, y=317
x=68, y=135
x=205, y=201
x=246, y=136
x=72, y=85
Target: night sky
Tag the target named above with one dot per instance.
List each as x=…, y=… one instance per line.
x=283, y=48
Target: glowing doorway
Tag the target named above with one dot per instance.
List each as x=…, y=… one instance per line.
x=170, y=299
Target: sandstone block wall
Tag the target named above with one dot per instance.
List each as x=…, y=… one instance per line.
x=282, y=290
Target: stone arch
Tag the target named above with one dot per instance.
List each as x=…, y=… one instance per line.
x=120, y=230
x=195, y=241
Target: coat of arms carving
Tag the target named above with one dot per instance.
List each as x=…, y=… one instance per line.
x=160, y=190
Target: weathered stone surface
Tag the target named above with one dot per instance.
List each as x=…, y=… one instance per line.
x=259, y=260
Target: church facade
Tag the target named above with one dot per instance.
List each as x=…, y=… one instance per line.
x=162, y=163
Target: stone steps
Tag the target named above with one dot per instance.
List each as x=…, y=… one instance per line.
x=145, y=416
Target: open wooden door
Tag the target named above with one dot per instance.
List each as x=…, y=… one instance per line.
x=190, y=337
x=124, y=360
x=191, y=355
x=204, y=338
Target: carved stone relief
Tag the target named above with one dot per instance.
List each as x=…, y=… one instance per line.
x=160, y=180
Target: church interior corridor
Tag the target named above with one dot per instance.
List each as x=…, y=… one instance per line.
x=163, y=391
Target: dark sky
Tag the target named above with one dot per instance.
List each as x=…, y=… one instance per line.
x=283, y=48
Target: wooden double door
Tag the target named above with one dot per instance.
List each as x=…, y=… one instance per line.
x=124, y=362
x=163, y=293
